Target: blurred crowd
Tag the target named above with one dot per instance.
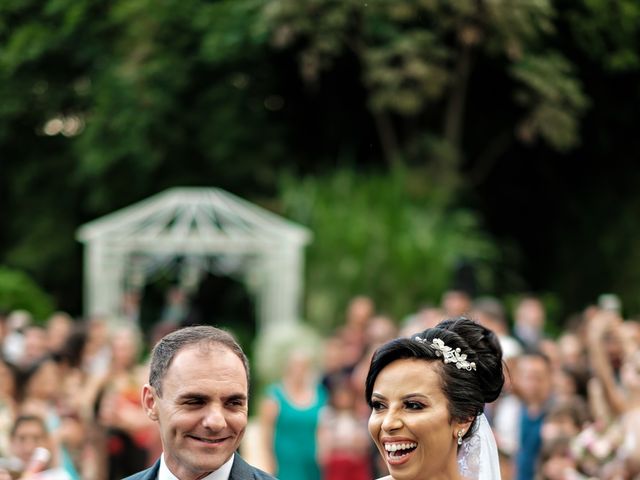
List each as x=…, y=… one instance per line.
x=570, y=408
x=72, y=389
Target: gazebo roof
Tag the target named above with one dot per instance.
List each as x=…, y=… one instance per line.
x=194, y=219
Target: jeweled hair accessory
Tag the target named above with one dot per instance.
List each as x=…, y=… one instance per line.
x=448, y=354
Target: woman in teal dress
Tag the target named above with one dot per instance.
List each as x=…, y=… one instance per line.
x=289, y=421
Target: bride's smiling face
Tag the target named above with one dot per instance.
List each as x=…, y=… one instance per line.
x=410, y=421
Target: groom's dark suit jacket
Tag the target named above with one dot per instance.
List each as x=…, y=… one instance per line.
x=240, y=470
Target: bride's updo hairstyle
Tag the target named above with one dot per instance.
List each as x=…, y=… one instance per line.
x=479, y=379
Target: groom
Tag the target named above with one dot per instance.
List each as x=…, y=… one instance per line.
x=198, y=393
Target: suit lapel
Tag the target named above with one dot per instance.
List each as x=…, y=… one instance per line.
x=152, y=473
x=240, y=470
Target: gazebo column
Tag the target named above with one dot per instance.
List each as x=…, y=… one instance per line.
x=93, y=252
x=104, y=279
x=279, y=298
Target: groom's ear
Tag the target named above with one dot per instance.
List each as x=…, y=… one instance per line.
x=149, y=402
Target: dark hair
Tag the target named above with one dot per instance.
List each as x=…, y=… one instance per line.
x=25, y=376
x=20, y=419
x=72, y=349
x=560, y=446
x=14, y=372
x=539, y=354
x=466, y=390
x=575, y=409
x=168, y=346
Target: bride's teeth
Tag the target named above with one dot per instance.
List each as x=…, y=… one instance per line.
x=394, y=447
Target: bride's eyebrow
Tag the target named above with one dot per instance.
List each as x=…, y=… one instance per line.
x=404, y=397
x=414, y=395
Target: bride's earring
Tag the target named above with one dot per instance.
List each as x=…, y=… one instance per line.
x=460, y=435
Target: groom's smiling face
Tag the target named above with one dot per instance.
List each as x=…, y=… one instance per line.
x=202, y=411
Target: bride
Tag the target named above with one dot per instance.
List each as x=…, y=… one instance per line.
x=427, y=394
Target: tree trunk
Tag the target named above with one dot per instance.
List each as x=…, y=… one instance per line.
x=454, y=114
x=490, y=155
x=388, y=139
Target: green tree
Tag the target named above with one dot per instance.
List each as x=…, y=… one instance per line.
x=417, y=57
x=392, y=237
x=605, y=31
x=19, y=292
x=103, y=104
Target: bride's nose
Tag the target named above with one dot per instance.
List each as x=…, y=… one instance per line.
x=392, y=421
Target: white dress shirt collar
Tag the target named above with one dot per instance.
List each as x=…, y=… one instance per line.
x=222, y=473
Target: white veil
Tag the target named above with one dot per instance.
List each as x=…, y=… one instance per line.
x=478, y=455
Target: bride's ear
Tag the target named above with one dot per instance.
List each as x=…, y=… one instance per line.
x=461, y=428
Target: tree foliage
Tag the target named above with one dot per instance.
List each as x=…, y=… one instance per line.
x=102, y=104
x=607, y=32
x=392, y=237
x=105, y=103
x=19, y=292
x=417, y=57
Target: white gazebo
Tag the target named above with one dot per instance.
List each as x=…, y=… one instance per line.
x=209, y=230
